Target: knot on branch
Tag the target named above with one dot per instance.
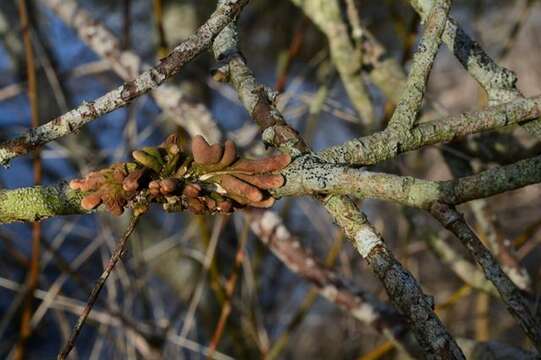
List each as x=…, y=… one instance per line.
x=445, y=214
x=201, y=178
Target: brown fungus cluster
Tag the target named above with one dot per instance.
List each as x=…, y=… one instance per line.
x=105, y=186
x=201, y=178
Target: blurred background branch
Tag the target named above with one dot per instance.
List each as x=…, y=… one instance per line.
x=200, y=286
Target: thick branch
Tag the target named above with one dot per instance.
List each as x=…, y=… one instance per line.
x=38, y=203
x=310, y=175
x=124, y=94
x=404, y=291
x=434, y=338
x=386, y=145
x=498, y=82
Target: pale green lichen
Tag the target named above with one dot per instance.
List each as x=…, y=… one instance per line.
x=39, y=202
x=387, y=144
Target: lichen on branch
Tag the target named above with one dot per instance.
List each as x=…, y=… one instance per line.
x=200, y=177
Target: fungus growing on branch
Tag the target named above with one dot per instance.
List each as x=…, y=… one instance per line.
x=201, y=178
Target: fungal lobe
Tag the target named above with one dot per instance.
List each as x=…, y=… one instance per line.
x=207, y=179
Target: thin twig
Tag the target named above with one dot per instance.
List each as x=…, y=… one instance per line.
x=286, y=58
x=214, y=273
x=309, y=300
x=230, y=286
x=193, y=115
x=163, y=47
x=118, y=252
x=198, y=292
x=330, y=19
x=127, y=24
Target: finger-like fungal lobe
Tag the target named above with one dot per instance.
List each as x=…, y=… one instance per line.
x=198, y=177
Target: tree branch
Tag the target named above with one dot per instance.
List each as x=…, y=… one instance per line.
x=192, y=115
x=498, y=82
x=402, y=288
x=309, y=175
x=411, y=100
x=386, y=145
x=434, y=338
x=510, y=293
x=119, y=251
x=39, y=203
x=327, y=15
x=124, y=94
x=360, y=303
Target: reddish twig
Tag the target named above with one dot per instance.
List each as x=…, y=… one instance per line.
x=158, y=19
x=229, y=290
x=292, y=52
x=126, y=24
x=33, y=275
